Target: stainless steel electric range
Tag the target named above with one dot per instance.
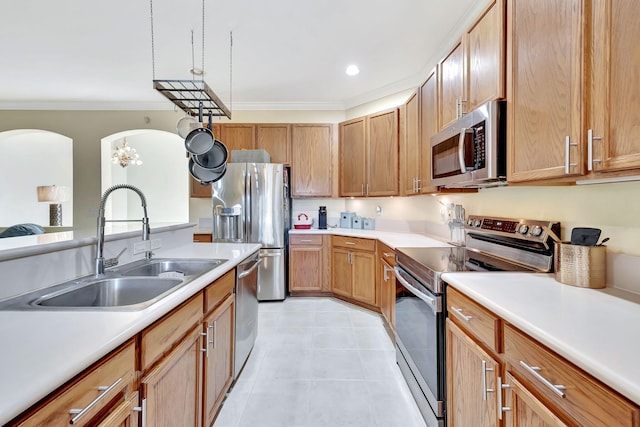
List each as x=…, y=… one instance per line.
x=491, y=244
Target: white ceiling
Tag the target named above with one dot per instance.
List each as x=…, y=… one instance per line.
x=77, y=54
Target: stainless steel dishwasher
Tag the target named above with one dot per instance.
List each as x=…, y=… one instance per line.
x=246, y=310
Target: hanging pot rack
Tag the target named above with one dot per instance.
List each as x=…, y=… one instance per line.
x=191, y=96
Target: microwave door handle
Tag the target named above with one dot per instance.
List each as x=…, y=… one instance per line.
x=463, y=133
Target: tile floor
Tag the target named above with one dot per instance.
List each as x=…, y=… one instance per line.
x=320, y=362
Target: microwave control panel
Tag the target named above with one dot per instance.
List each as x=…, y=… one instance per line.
x=479, y=146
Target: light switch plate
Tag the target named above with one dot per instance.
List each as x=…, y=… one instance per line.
x=156, y=243
x=143, y=246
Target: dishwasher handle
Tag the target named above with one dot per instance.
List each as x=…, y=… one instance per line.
x=255, y=265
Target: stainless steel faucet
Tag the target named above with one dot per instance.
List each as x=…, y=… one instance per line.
x=100, y=261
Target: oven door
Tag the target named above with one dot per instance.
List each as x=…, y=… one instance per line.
x=420, y=344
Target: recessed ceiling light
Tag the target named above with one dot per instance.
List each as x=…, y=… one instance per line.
x=352, y=70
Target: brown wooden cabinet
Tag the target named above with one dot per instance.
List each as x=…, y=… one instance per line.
x=238, y=136
x=198, y=190
x=353, y=269
x=525, y=409
x=472, y=381
x=309, y=264
x=387, y=283
x=369, y=151
x=275, y=139
x=311, y=160
x=410, y=146
x=428, y=128
x=126, y=414
x=203, y=237
x=451, y=86
x=545, y=54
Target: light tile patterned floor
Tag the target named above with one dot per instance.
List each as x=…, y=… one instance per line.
x=320, y=362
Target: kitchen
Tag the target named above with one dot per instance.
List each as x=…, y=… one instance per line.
x=606, y=205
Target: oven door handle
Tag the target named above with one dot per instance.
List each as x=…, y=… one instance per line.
x=433, y=302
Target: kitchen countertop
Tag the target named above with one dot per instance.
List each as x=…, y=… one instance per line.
x=389, y=238
x=596, y=329
x=43, y=349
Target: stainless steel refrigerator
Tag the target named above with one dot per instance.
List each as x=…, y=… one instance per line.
x=251, y=204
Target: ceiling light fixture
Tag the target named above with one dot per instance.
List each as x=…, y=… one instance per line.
x=352, y=70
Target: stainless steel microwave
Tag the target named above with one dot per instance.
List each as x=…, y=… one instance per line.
x=471, y=153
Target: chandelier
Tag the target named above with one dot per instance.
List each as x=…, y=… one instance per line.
x=125, y=155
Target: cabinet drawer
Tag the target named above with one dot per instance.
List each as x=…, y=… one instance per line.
x=387, y=254
x=486, y=326
x=354, y=243
x=166, y=332
x=203, y=237
x=216, y=292
x=115, y=370
x=585, y=400
x=311, y=239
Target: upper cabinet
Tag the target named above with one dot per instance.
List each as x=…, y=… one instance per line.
x=428, y=128
x=311, y=160
x=613, y=138
x=276, y=140
x=368, y=155
x=410, y=146
x=544, y=89
x=238, y=136
x=472, y=73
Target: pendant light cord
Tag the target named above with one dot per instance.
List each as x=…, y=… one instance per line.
x=231, y=70
x=153, y=47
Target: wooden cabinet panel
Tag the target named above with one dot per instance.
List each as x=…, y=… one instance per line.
x=386, y=282
x=341, y=272
x=309, y=263
x=615, y=104
x=218, y=361
x=202, y=237
x=172, y=391
x=218, y=291
x=165, y=333
x=311, y=160
x=352, y=157
x=484, y=325
x=410, y=146
x=382, y=154
x=117, y=368
x=428, y=128
x=238, y=137
x=198, y=190
x=363, y=281
x=545, y=54
x=525, y=410
x=586, y=401
x=484, y=56
x=305, y=240
x=354, y=243
x=124, y=415
x=450, y=86
x=472, y=381
x=275, y=140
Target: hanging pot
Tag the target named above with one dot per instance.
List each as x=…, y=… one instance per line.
x=199, y=141
x=206, y=176
x=213, y=159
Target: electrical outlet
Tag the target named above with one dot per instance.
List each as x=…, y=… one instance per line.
x=143, y=246
x=156, y=243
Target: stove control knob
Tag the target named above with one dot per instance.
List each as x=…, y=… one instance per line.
x=536, y=230
x=523, y=229
x=470, y=223
x=476, y=223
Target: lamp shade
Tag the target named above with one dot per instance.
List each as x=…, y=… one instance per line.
x=53, y=193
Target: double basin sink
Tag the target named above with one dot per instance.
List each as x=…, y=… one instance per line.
x=133, y=286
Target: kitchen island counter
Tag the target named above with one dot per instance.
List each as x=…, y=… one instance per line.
x=596, y=329
x=42, y=349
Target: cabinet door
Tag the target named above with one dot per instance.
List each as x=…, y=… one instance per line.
x=484, y=55
x=387, y=292
x=615, y=104
x=124, y=415
x=218, y=361
x=525, y=410
x=450, y=86
x=198, y=190
x=352, y=157
x=428, y=127
x=306, y=268
x=311, y=154
x=471, y=381
x=238, y=137
x=275, y=140
x=410, y=146
x=341, y=272
x=172, y=390
x=382, y=153
x=544, y=89
x=363, y=279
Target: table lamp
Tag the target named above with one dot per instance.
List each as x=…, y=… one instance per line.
x=55, y=194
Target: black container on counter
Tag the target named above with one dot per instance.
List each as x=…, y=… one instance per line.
x=322, y=218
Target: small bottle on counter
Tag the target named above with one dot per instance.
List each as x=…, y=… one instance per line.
x=322, y=218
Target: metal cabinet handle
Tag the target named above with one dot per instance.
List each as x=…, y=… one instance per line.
x=215, y=334
x=143, y=411
x=501, y=409
x=485, y=390
x=349, y=243
x=305, y=241
x=348, y=257
x=458, y=312
x=205, y=350
x=533, y=370
x=388, y=254
x=590, y=139
x=79, y=413
x=386, y=270
x=418, y=185
x=367, y=193
x=567, y=154
x=362, y=189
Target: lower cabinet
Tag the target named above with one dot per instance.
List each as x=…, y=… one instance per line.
x=353, y=269
x=125, y=414
x=525, y=409
x=309, y=264
x=387, y=283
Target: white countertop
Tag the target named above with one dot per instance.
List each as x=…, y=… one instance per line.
x=43, y=349
x=596, y=329
x=389, y=238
